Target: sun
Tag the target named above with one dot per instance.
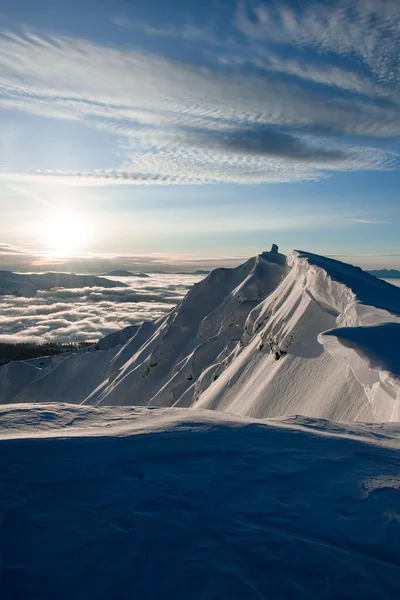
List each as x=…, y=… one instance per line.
x=63, y=233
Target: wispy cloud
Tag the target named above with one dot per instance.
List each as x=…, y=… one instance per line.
x=189, y=32
x=367, y=221
x=182, y=123
x=367, y=29
x=9, y=249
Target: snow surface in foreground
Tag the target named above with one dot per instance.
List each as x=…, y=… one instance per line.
x=100, y=503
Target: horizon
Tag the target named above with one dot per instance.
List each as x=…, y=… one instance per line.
x=178, y=134
x=177, y=266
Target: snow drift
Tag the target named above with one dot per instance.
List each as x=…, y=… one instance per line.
x=102, y=503
x=275, y=336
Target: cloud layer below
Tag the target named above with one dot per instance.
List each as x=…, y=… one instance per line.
x=87, y=314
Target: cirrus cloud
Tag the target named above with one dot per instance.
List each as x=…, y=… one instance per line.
x=246, y=112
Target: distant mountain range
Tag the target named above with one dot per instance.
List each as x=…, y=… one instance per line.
x=122, y=273
x=27, y=284
x=386, y=273
x=198, y=272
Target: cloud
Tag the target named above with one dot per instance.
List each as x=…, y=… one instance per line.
x=367, y=221
x=259, y=140
x=212, y=121
x=311, y=70
x=99, y=263
x=9, y=249
x=189, y=32
x=82, y=314
x=367, y=29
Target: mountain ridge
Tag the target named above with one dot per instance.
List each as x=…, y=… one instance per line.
x=386, y=273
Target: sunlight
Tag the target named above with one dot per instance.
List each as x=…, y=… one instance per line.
x=64, y=232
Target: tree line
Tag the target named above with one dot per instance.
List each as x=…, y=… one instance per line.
x=27, y=350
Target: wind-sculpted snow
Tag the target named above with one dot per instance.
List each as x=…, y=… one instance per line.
x=281, y=365
x=117, y=502
x=358, y=285
x=304, y=335
x=373, y=354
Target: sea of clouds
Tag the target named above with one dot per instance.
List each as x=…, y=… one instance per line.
x=87, y=314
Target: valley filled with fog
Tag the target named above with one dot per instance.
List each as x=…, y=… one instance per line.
x=88, y=313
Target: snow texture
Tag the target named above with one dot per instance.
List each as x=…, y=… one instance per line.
x=122, y=502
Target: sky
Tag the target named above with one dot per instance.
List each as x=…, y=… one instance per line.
x=173, y=135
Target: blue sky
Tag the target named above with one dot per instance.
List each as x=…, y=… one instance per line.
x=191, y=132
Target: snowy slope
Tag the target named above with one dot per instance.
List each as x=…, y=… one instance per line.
x=68, y=380
x=262, y=351
x=23, y=284
x=67, y=377
x=208, y=322
x=283, y=364
x=100, y=503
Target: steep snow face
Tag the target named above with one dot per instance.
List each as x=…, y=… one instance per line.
x=373, y=355
x=283, y=364
x=208, y=322
x=100, y=503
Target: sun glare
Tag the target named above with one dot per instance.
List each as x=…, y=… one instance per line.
x=64, y=233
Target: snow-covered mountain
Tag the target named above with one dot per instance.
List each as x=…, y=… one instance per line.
x=295, y=358
x=205, y=326
x=275, y=336
x=27, y=284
